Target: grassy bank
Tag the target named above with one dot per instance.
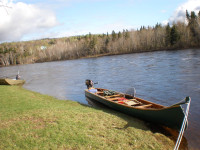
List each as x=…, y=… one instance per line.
x=29, y=120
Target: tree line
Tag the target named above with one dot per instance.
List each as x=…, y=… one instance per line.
x=176, y=36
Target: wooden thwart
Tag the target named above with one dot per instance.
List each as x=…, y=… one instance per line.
x=126, y=102
x=113, y=96
x=112, y=99
x=144, y=106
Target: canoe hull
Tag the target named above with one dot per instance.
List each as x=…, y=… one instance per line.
x=169, y=116
x=7, y=81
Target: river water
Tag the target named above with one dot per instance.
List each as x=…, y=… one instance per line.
x=163, y=77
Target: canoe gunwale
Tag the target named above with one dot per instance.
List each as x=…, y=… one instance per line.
x=149, y=109
x=171, y=116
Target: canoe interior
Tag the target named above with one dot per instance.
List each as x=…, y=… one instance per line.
x=129, y=100
x=171, y=116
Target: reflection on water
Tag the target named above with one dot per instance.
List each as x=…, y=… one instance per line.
x=164, y=77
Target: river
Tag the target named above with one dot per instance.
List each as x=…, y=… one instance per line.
x=163, y=77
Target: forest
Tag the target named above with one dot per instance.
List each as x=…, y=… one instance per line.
x=169, y=37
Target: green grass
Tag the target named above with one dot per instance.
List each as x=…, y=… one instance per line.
x=29, y=120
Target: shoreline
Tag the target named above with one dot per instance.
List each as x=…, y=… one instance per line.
x=107, y=54
x=32, y=120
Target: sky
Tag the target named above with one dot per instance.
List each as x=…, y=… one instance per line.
x=23, y=20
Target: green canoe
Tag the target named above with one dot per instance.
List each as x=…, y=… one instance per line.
x=171, y=116
x=7, y=81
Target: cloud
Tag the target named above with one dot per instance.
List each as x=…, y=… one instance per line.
x=179, y=14
x=163, y=11
x=22, y=19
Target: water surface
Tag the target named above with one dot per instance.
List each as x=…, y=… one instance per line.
x=163, y=77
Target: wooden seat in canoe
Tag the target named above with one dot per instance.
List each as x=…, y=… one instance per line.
x=113, y=99
x=117, y=95
x=144, y=106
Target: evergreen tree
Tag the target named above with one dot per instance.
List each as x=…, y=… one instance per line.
x=198, y=20
x=167, y=37
x=127, y=35
x=141, y=28
x=124, y=32
x=93, y=42
x=187, y=15
x=194, y=27
x=1, y=50
x=86, y=37
x=103, y=35
x=119, y=35
x=104, y=48
x=92, y=45
x=90, y=36
x=114, y=36
x=107, y=41
x=158, y=25
x=52, y=42
x=174, y=36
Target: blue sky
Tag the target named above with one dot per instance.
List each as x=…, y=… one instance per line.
x=36, y=19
